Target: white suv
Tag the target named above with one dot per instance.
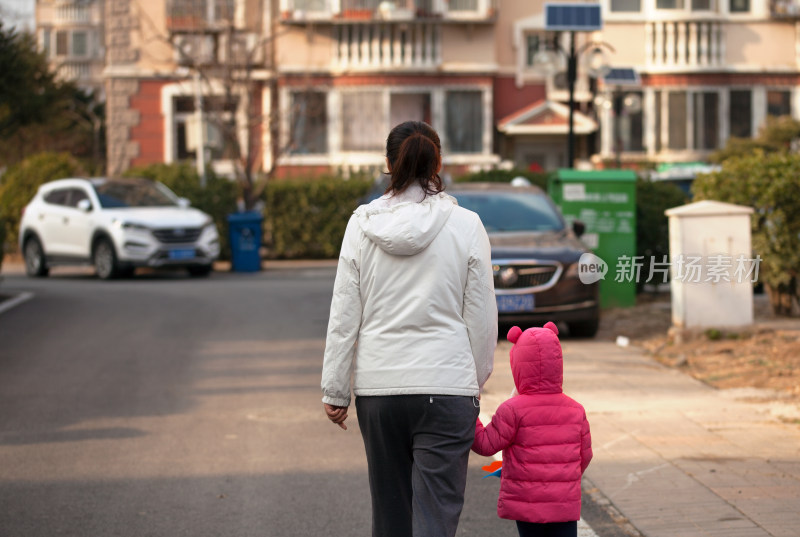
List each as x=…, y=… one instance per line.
x=116, y=225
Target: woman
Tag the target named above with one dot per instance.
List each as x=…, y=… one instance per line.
x=414, y=320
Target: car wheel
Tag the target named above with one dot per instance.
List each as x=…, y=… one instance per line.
x=105, y=260
x=584, y=328
x=35, y=263
x=199, y=271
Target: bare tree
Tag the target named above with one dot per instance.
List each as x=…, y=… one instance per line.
x=233, y=63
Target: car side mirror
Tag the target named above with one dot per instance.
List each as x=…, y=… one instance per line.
x=578, y=227
x=184, y=202
x=85, y=205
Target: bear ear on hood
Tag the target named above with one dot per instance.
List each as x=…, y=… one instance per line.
x=551, y=326
x=514, y=333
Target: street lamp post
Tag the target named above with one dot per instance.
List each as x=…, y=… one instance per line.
x=597, y=68
x=574, y=17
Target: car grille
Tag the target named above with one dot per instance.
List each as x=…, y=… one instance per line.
x=177, y=235
x=519, y=276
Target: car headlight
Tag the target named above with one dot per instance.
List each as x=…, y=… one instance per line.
x=573, y=271
x=130, y=226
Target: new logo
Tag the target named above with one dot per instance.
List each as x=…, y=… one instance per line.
x=591, y=269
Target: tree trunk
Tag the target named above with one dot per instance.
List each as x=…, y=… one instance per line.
x=783, y=298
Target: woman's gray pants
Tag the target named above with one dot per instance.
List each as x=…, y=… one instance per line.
x=417, y=452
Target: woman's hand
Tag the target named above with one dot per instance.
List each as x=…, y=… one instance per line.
x=337, y=414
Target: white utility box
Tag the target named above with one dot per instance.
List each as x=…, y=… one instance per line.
x=712, y=265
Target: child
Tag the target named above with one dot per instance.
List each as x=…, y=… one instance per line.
x=545, y=440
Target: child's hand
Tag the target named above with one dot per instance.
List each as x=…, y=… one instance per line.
x=337, y=414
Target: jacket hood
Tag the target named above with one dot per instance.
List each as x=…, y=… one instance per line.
x=403, y=225
x=536, y=360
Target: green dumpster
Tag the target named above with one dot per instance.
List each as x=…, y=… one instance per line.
x=605, y=201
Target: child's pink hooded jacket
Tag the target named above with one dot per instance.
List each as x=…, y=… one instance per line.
x=543, y=433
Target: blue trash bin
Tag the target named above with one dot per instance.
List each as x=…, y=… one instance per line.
x=245, y=234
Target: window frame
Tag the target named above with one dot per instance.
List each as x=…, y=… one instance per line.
x=323, y=96
x=447, y=142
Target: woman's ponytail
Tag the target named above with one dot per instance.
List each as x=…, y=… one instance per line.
x=414, y=153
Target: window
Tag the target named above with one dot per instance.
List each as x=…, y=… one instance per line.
x=740, y=6
x=62, y=41
x=535, y=43
x=310, y=5
x=626, y=6
x=46, y=43
x=779, y=103
x=58, y=196
x=706, y=120
x=363, y=123
x=701, y=5
x=676, y=101
x=669, y=4
x=658, y=122
x=741, y=113
x=79, y=44
x=630, y=123
x=464, y=121
x=76, y=195
x=309, y=123
x=216, y=122
x=463, y=5
x=410, y=107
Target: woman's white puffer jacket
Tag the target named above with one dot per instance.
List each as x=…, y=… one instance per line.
x=413, y=309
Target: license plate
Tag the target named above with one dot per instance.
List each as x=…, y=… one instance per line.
x=185, y=253
x=514, y=303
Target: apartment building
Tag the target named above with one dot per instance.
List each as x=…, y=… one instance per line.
x=70, y=33
x=349, y=70
x=710, y=69
x=314, y=86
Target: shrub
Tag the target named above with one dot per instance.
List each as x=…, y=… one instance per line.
x=21, y=181
x=218, y=198
x=770, y=183
x=2, y=241
x=505, y=176
x=652, y=225
x=307, y=218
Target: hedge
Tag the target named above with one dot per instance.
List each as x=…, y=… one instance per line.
x=307, y=218
x=770, y=184
x=2, y=241
x=21, y=181
x=652, y=225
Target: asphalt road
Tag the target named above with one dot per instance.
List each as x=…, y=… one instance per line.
x=169, y=406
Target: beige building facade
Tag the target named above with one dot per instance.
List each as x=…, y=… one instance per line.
x=314, y=86
x=70, y=34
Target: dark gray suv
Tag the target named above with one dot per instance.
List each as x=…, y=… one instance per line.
x=534, y=255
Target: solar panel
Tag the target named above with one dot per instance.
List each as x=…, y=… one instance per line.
x=622, y=76
x=573, y=17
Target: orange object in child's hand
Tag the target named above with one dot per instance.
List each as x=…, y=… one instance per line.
x=492, y=467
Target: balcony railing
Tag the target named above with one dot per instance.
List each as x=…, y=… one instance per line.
x=380, y=46
x=75, y=70
x=785, y=9
x=370, y=10
x=684, y=44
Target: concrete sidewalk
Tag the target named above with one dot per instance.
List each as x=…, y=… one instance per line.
x=676, y=457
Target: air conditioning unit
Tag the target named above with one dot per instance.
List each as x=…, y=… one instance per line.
x=194, y=49
x=246, y=49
